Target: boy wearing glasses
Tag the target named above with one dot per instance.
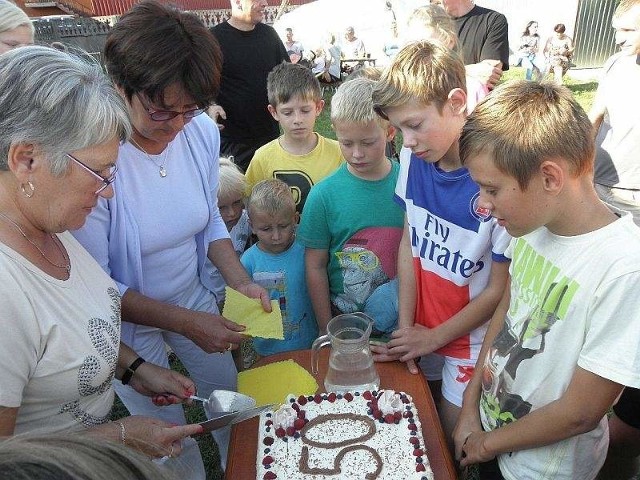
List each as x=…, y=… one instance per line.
x=351, y=227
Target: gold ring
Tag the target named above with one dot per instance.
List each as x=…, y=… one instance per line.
x=171, y=451
x=229, y=347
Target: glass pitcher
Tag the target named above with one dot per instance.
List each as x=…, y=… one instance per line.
x=350, y=361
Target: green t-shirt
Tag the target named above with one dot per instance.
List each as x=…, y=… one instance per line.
x=360, y=225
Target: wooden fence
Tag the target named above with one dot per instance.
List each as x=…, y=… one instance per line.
x=89, y=34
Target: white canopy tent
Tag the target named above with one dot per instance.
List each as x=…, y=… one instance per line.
x=371, y=20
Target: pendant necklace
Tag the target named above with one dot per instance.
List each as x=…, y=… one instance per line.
x=55, y=239
x=162, y=170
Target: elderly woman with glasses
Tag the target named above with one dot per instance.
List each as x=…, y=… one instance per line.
x=156, y=235
x=60, y=348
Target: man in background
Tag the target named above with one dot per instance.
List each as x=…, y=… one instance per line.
x=293, y=47
x=615, y=115
x=250, y=50
x=352, y=47
x=483, y=35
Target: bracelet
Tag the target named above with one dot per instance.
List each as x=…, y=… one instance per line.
x=126, y=376
x=123, y=435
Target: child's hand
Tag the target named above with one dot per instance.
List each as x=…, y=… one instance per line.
x=468, y=423
x=381, y=353
x=412, y=367
x=474, y=450
x=409, y=343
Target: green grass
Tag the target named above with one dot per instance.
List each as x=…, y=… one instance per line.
x=583, y=91
x=323, y=122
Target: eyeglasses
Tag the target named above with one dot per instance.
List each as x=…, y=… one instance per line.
x=364, y=259
x=164, y=115
x=106, y=181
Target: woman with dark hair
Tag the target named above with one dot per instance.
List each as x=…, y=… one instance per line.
x=529, y=45
x=559, y=50
x=155, y=235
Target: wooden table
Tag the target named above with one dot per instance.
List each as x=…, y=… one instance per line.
x=241, y=463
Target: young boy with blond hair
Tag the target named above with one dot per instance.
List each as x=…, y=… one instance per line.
x=565, y=338
x=276, y=262
x=451, y=264
x=351, y=226
x=300, y=157
x=232, y=188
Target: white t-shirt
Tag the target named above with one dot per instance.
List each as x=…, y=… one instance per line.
x=618, y=140
x=294, y=48
x=169, y=260
x=574, y=302
x=353, y=48
x=59, y=342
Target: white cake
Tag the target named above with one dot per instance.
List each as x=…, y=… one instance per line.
x=343, y=436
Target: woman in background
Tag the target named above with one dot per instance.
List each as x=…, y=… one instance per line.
x=529, y=46
x=16, y=29
x=558, y=51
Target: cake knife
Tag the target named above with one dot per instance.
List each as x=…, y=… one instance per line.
x=235, y=417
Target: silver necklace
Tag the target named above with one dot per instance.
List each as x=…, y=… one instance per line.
x=55, y=239
x=162, y=170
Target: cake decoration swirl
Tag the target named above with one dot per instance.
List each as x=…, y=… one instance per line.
x=320, y=419
x=304, y=462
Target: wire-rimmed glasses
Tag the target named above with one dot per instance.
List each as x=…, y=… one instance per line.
x=106, y=181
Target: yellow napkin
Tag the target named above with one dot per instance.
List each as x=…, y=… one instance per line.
x=272, y=383
x=248, y=312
